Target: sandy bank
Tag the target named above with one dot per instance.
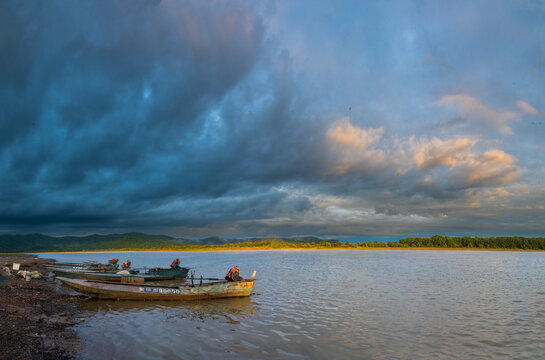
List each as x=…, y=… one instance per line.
x=292, y=249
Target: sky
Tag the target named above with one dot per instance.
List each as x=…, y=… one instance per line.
x=273, y=118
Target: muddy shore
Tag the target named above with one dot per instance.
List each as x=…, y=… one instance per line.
x=35, y=319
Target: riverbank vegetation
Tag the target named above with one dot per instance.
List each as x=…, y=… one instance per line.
x=144, y=242
x=513, y=242
x=437, y=241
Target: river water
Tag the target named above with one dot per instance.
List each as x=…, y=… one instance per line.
x=333, y=304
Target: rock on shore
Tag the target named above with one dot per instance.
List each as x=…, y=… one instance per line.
x=35, y=320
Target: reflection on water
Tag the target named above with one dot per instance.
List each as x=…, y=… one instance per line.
x=375, y=304
x=167, y=329
x=224, y=309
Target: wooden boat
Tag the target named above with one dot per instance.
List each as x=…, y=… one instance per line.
x=156, y=274
x=201, y=290
x=82, y=266
x=73, y=264
x=87, y=270
x=82, y=269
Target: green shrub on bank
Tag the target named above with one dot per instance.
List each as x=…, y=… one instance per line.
x=439, y=241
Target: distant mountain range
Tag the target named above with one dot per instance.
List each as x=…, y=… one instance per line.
x=216, y=240
x=128, y=241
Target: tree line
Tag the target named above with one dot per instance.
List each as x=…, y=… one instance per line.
x=436, y=241
x=502, y=242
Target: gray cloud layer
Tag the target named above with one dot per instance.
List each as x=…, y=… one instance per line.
x=195, y=118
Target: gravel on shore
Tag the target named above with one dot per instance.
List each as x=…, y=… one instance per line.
x=35, y=318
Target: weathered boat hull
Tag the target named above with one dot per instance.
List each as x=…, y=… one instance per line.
x=114, y=291
x=55, y=269
x=82, y=267
x=167, y=274
x=75, y=264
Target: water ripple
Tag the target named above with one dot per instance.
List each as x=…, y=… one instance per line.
x=336, y=304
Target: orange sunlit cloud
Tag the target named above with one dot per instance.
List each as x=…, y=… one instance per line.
x=358, y=149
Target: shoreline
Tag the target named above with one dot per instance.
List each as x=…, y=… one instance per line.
x=35, y=319
x=284, y=249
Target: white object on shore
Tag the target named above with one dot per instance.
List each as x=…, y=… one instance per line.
x=124, y=272
x=29, y=274
x=16, y=266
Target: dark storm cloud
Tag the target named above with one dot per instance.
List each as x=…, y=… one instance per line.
x=203, y=117
x=244, y=203
x=110, y=109
x=99, y=98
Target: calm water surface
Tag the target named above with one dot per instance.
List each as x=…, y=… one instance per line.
x=338, y=304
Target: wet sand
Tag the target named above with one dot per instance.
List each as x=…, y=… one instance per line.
x=35, y=320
